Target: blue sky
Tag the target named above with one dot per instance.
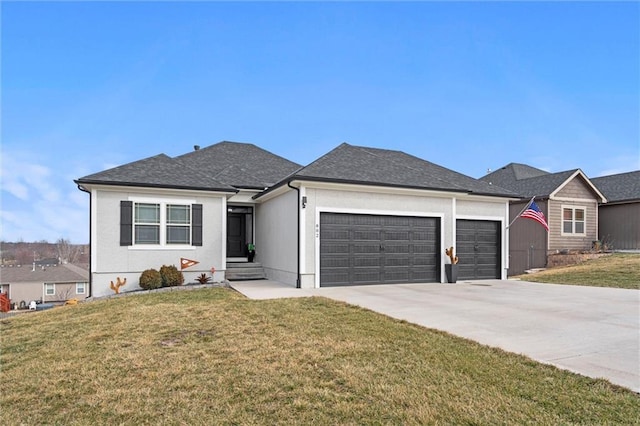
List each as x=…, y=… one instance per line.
x=470, y=86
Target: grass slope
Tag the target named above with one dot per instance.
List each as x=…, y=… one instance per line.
x=214, y=357
x=618, y=270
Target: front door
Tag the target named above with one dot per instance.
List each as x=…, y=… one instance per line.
x=236, y=235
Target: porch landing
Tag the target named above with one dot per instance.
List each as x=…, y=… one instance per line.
x=241, y=271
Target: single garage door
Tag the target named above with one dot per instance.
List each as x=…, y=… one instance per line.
x=478, y=243
x=357, y=249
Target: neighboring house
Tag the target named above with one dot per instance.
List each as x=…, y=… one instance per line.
x=355, y=216
x=44, y=282
x=619, y=218
x=569, y=201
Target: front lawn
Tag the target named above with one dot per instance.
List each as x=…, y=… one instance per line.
x=618, y=270
x=213, y=357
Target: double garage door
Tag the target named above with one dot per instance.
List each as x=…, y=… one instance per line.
x=358, y=249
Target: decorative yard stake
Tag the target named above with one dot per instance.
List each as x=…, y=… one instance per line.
x=449, y=252
x=187, y=263
x=116, y=287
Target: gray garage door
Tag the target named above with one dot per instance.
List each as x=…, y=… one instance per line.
x=358, y=249
x=478, y=243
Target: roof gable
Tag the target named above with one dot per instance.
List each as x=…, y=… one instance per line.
x=619, y=187
x=374, y=166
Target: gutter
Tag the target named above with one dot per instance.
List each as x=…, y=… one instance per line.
x=83, y=189
x=505, y=194
x=298, y=284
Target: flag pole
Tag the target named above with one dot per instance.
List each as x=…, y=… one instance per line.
x=521, y=211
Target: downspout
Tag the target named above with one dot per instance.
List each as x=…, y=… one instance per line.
x=83, y=189
x=298, y=231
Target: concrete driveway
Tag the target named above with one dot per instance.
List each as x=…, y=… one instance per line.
x=588, y=330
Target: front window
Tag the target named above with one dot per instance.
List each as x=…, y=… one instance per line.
x=49, y=289
x=147, y=223
x=178, y=224
x=160, y=223
x=80, y=288
x=573, y=221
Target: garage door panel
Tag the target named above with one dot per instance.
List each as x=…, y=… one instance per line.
x=378, y=249
x=365, y=248
x=338, y=234
x=397, y=261
x=366, y=276
x=335, y=248
x=367, y=235
x=365, y=261
x=394, y=248
x=397, y=235
x=334, y=262
x=338, y=278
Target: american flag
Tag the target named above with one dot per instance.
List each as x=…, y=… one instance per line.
x=533, y=212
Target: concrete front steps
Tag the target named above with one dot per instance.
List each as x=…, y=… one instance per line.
x=240, y=271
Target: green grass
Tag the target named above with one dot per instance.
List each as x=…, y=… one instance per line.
x=618, y=270
x=213, y=357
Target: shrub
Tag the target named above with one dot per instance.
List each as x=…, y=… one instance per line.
x=150, y=279
x=171, y=277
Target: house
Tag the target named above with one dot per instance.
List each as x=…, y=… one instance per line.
x=619, y=218
x=44, y=282
x=569, y=201
x=356, y=215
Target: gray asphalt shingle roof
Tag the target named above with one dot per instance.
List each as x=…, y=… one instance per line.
x=241, y=165
x=374, y=166
x=225, y=166
x=527, y=181
x=64, y=273
x=158, y=171
x=619, y=187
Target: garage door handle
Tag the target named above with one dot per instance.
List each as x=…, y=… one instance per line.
x=381, y=247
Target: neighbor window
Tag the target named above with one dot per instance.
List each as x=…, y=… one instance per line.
x=573, y=220
x=49, y=289
x=81, y=288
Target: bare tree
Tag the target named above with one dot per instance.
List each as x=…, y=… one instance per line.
x=67, y=252
x=64, y=294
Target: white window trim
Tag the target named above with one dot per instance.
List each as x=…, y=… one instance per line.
x=573, y=220
x=46, y=288
x=83, y=286
x=163, y=202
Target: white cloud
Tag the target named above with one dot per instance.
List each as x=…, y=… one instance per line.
x=40, y=202
x=25, y=179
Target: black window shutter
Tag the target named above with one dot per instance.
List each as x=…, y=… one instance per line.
x=126, y=223
x=196, y=224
